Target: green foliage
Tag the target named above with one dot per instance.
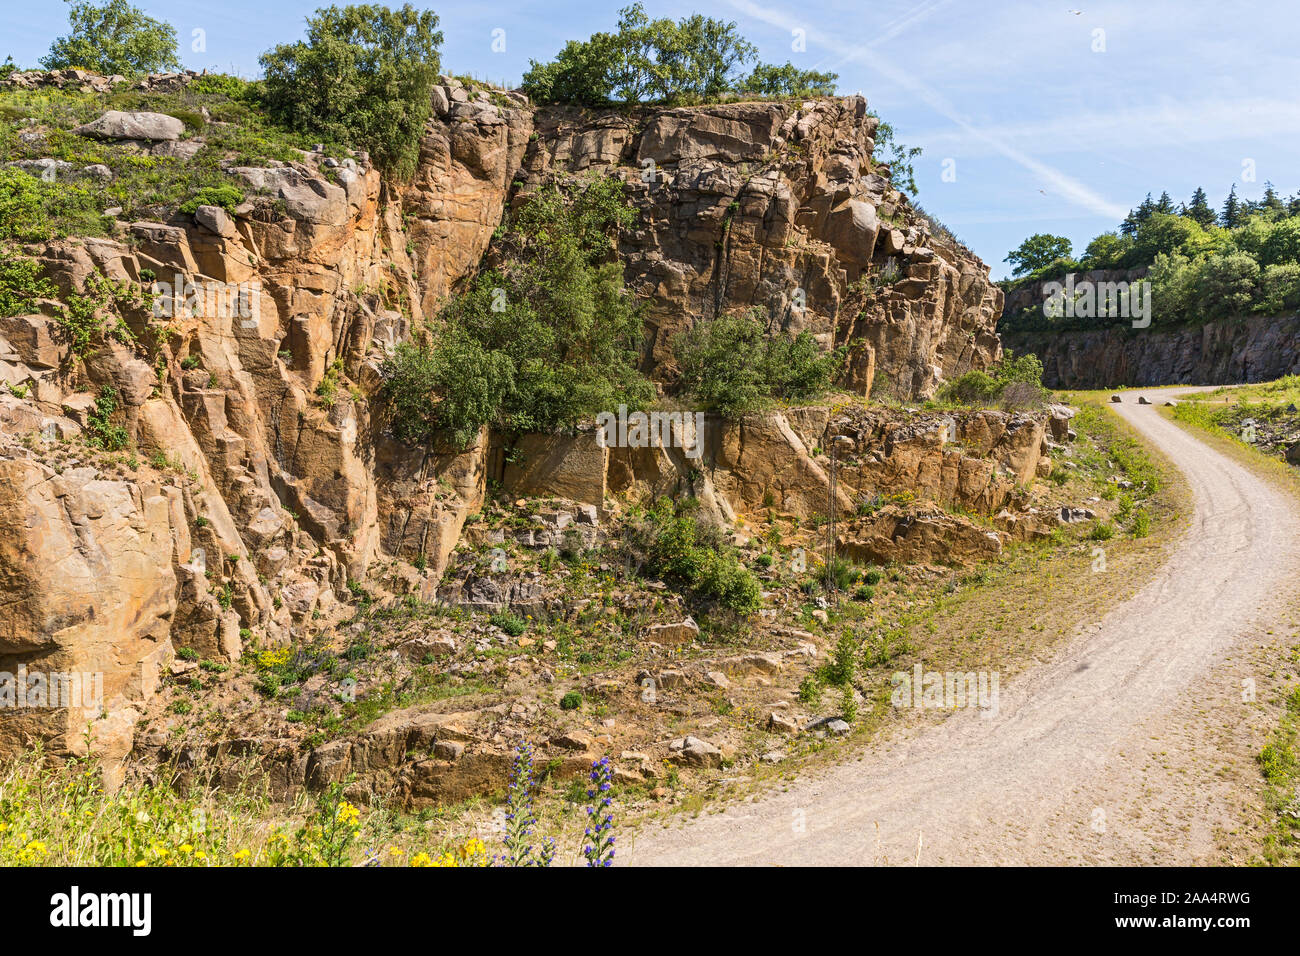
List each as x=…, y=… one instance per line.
x=1201, y=267
x=730, y=365
x=769, y=81
x=678, y=547
x=810, y=690
x=1102, y=531
x=101, y=431
x=571, y=701
x=1108, y=251
x=898, y=156
x=22, y=282
x=544, y=341
x=1279, y=288
x=1037, y=252
x=90, y=316
x=365, y=73
x=32, y=210
x=508, y=621
x=113, y=37
x=692, y=60
x=225, y=196
x=1017, y=379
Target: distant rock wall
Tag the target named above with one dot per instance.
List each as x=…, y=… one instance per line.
x=1253, y=349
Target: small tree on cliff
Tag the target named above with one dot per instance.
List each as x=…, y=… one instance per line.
x=364, y=75
x=1038, y=251
x=113, y=37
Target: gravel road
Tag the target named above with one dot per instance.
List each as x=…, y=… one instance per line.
x=1105, y=753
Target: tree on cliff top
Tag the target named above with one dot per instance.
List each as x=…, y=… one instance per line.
x=114, y=37
x=692, y=60
x=1038, y=251
x=364, y=75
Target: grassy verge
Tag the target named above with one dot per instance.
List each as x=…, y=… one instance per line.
x=1279, y=758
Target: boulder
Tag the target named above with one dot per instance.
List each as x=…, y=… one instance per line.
x=115, y=124
x=215, y=219
x=694, y=752
x=682, y=632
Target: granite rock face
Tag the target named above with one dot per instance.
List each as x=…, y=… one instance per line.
x=781, y=208
x=259, y=480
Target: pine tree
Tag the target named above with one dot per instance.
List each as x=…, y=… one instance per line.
x=1271, y=204
x=1145, y=209
x=1230, y=218
x=1165, y=205
x=1199, y=209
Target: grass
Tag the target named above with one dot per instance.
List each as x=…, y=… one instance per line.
x=239, y=132
x=1279, y=764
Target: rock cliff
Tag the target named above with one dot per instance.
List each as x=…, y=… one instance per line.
x=260, y=487
x=1252, y=349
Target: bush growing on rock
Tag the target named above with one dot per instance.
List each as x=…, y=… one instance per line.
x=731, y=366
x=1015, y=381
x=544, y=341
x=365, y=74
x=676, y=545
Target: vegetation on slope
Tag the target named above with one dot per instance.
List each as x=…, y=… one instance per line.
x=546, y=339
x=1202, y=266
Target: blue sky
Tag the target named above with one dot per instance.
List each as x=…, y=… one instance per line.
x=1049, y=125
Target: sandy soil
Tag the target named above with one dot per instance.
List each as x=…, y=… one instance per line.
x=1133, y=744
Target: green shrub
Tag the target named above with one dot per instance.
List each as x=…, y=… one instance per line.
x=571, y=701
x=365, y=73
x=1016, y=381
x=810, y=690
x=227, y=197
x=689, y=61
x=769, y=81
x=101, y=432
x=676, y=546
x=731, y=366
x=511, y=623
x=540, y=344
x=32, y=210
x=22, y=282
x=1102, y=531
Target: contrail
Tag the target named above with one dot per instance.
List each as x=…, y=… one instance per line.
x=1062, y=184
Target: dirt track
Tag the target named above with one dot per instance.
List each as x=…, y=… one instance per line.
x=1132, y=745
